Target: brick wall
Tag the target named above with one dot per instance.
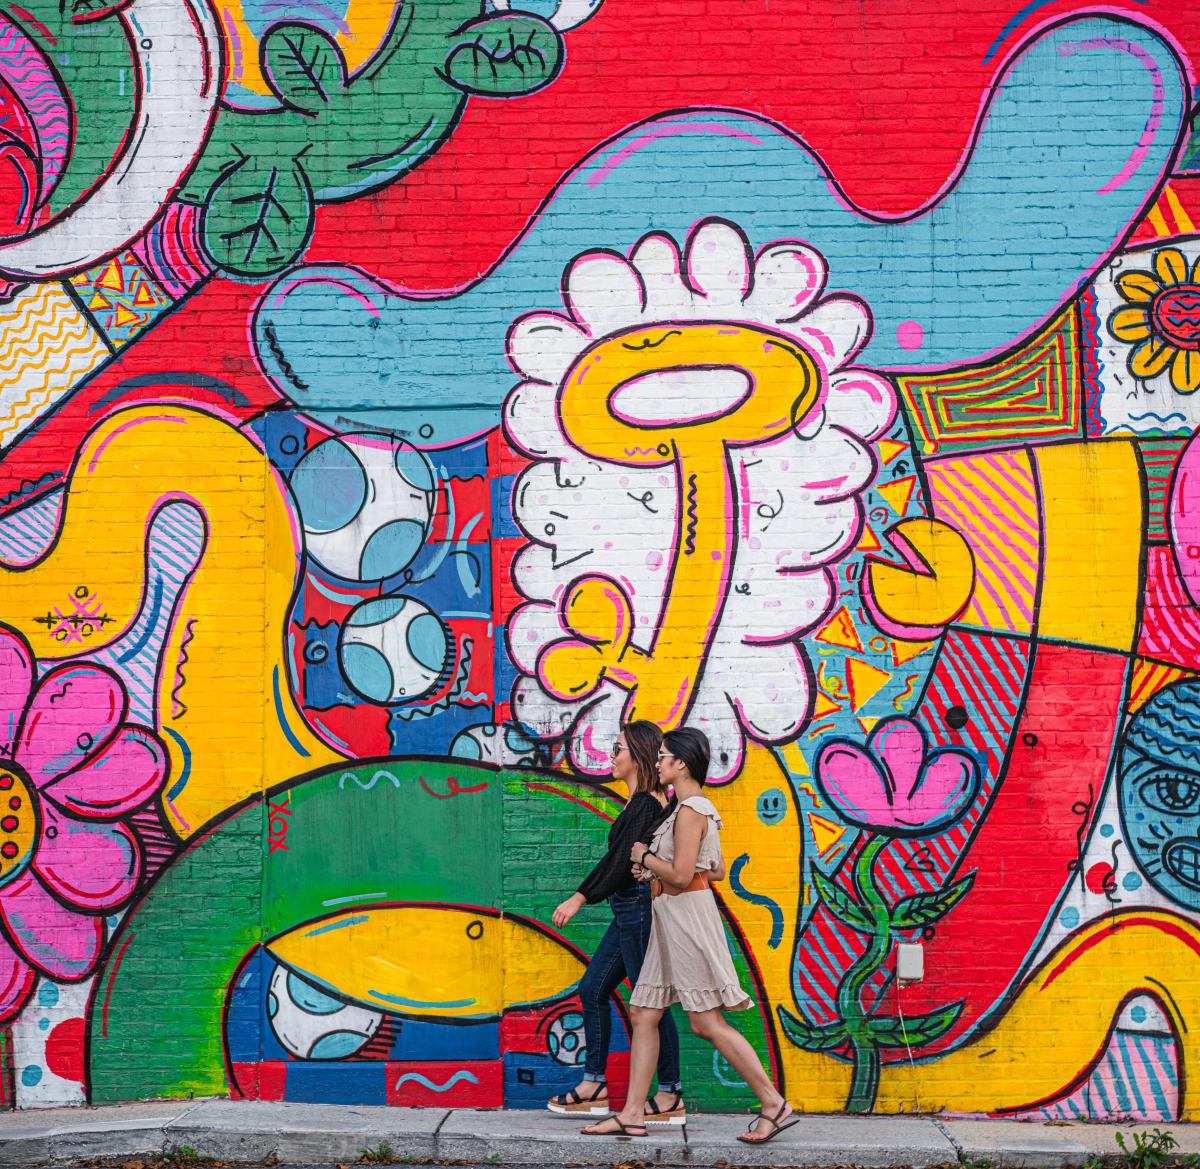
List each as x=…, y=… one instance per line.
x=395, y=402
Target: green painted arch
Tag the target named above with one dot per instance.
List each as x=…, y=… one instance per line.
x=399, y=830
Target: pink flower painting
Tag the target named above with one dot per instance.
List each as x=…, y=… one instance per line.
x=70, y=768
x=895, y=785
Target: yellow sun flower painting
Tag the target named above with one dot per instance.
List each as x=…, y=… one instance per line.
x=1160, y=319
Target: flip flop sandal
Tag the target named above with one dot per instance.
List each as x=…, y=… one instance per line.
x=573, y=1104
x=676, y=1114
x=750, y=1138
x=622, y=1132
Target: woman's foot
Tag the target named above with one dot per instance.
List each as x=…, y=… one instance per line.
x=588, y=1099
x=771, y=1121
x=666, y=1108
x=615, y=1126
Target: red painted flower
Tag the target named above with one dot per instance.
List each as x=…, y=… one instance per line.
x=1161, y=319
x=70, y=767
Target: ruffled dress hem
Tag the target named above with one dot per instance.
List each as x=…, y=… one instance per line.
x=730, y=997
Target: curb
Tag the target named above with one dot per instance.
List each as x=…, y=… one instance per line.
x=313, y=1134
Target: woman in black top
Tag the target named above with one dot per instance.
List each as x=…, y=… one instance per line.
x=620, y=952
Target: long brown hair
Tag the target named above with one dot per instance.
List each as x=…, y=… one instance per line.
x=643, y=740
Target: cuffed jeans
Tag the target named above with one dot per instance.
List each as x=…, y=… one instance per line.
x=618, y=956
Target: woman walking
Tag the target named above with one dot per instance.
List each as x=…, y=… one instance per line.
x=688, y=959
x=623, y=946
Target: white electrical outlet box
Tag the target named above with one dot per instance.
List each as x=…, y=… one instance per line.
x=910, y=961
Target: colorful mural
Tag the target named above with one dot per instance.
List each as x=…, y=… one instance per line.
x=395, y=398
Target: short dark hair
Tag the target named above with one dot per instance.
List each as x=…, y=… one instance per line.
x=643, y=739
x=690, y=747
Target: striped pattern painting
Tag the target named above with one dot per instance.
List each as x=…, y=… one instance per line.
x=993, y=501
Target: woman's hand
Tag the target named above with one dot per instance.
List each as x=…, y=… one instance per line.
x=637, y=853
x=568, y=909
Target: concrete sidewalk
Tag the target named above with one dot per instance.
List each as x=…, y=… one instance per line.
x=298, y=1134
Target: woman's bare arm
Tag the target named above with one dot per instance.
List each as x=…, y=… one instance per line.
x=690, y=827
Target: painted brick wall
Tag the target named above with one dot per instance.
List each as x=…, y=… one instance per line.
x=396, y=399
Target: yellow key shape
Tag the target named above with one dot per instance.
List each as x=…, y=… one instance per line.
x=782, y=386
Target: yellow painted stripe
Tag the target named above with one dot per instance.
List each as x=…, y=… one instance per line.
x=1182, y=220
x=1092, y=532
x=1158, y=221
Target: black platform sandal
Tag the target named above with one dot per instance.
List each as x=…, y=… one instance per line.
x=573, y=1104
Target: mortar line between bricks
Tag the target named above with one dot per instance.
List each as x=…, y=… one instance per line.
x=937, y=1123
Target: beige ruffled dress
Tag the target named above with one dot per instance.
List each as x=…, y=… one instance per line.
x=688, y=959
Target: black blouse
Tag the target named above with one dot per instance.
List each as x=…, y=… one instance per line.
x=637, y=822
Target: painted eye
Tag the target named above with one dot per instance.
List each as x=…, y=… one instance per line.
x=562, y=14
x=1172, y=792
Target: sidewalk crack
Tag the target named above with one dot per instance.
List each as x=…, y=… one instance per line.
x=958, y=1151
x=182, y=1116
x=449, y=1113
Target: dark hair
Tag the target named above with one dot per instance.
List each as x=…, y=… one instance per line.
x=643, y=740
x=690, y=747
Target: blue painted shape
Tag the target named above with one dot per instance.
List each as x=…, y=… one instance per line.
x=503, y=523
x=368, y=671
x=417, y=1041
x=337, y=1045
x=437, y=1086
x=357, y=1082
x=248, y=1003
x=426, y=731
x=330, y=487
x=321, y=679
x=505, y=669
x=452, y=578
x=391, y=548
x=767, y=903
x=284, y=435
x=1056, y=174
x=529, y=1080
x=468, y=460
x=427, y=643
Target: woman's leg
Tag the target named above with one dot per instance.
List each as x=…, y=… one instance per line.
x=604, y=974
x=635, y=925
x=740, y=1056
x=643, y=1055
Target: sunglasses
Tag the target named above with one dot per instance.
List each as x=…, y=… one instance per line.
x=666, y=755
x=617, y=748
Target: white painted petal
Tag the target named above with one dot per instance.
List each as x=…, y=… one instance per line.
x=835, y=330
x=861, y=401
x=835, y=465
x=529, y=630
x=542, y=346
x=788, y=277
x=531, y=572
x=719, y=265
x=773, y=704
x=660, y=266
x=604, y=293
x=531, y=421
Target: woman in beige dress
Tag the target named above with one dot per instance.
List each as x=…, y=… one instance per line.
x=688, y=960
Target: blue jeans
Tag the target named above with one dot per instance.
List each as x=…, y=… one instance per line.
x=618, y=956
